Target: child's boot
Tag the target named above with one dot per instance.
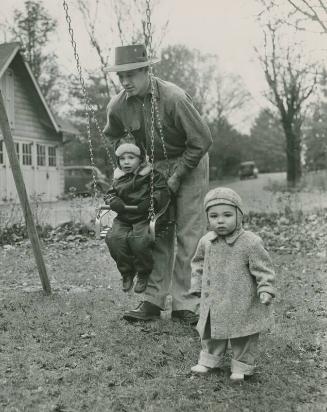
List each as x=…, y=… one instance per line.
x=127, y=282
x=141, y=283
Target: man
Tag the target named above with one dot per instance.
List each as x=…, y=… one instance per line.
x=187, y=139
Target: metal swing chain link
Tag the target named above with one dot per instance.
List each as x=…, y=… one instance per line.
x=88, y=106
x=155, y=115
x=86, y=103
x=149, y=44
x=161, y=134
x=153, y=100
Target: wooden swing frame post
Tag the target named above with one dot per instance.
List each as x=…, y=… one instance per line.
x=21, y=190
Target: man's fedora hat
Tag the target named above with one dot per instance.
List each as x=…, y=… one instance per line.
x=130, y=58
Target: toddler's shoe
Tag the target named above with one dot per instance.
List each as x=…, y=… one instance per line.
x=141, y=284
x=200, y=369
x=127, y=283
x=237, y=377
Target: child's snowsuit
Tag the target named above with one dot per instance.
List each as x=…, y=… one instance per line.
x=128, y=240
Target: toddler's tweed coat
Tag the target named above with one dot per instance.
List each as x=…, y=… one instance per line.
x=234, y=270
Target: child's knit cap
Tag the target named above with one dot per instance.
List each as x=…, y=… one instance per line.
x=128, y=148
x=223, y=196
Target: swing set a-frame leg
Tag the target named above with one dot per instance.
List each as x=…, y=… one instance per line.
x=21, y=190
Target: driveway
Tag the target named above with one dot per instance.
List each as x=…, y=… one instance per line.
x=253, y=192
x=257, y=198
x=52, y=213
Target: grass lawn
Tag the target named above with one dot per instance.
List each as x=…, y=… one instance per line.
x=73, y=352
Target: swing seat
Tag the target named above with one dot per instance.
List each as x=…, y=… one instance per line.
x=157, y=225
x=100, y=230
x=161, y=221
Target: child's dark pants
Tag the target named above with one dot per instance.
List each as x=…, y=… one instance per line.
x=131, y=247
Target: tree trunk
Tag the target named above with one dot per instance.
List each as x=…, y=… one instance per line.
x=294, y=169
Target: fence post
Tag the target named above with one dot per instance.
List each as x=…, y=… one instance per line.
x=21, y=190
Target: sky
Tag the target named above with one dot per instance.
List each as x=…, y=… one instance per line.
x=227, y=28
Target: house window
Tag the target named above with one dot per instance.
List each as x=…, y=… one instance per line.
x=27, y=154
x=40, y=154
x=52, y=154
x=1, y=152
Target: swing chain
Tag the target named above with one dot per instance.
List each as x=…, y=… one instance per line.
x=86, y=102
x=149, y=44
x=153, y=100
x=161, y=134
x=155, y=115
x=88, y=106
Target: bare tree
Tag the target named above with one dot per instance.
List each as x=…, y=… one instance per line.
x=217, y=95
x=315, y=10
x=90, y=24
x=291, y=81
x=128, y=23
x=228, y=96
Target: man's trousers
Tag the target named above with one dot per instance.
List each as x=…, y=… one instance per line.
x=173, y=253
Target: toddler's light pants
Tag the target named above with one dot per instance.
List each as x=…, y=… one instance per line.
x=244, y=352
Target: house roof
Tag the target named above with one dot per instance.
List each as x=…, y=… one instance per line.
x=67, y=127
x=8, y=51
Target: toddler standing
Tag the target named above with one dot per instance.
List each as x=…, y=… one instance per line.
x=237, y=286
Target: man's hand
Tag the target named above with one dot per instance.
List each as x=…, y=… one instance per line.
x=265, y=298
x=174, y=182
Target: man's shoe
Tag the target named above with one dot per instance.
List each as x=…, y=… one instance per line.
x=145, y=311
x=127, y=283
x=141, y=284
x=186, y=316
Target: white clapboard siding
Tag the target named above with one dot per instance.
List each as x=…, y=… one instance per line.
x=31, y=125
x=31, y=118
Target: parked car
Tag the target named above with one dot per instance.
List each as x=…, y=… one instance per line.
x=80, y=177
x=247, y=170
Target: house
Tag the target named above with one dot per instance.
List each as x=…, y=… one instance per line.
x=38, y=135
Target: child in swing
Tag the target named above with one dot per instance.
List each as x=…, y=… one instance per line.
x=128, y=240
x=237, y=287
